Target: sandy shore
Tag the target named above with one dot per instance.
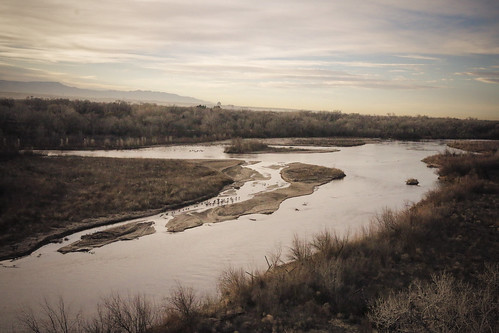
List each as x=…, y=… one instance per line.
x=303, y=178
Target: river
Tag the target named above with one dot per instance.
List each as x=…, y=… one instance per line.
x=154, y=264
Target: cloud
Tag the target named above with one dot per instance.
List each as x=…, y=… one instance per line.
x=97, y=31
x=418, y=57
x=488, y=80
x=483, y=75
x=234, y=48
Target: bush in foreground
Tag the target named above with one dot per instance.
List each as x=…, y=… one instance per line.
x=442, y=305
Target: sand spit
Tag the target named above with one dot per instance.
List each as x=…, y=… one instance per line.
x=124, y=232
x=303, y=178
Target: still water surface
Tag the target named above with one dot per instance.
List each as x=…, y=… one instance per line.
x=154, y=264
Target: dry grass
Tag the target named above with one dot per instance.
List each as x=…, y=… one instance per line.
x=453, y=166
x=478, y=146
x=240, y=146
x=307, y=173
x=330, y=142
x=40, y=194
x=442, y=305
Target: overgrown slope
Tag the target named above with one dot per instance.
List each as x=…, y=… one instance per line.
x=333, y=283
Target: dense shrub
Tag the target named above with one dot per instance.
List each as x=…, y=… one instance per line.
x=63, y=123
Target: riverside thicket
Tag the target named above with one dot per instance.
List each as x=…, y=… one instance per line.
x=63, y=123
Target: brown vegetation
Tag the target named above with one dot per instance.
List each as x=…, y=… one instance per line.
x=133, y=314
x=240, y=146
x=442, y=305
x=330, y=142
x=453, y=166
x=478, y=146
x=42, y=198
x=251, y=146
x=439, y=254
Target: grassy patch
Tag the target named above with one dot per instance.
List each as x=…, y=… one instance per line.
x=478, y=146
x=39, y=194
x=240, y=146
x=307, y=173
x=334, y=142
x=454, y=166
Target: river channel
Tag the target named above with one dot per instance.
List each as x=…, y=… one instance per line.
x=154, y=264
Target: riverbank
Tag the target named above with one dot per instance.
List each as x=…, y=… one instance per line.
x=303, y=178
x=376, y=261
x=46, y=198
x=439, y=255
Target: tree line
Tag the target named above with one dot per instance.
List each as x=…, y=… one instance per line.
x=64, y=123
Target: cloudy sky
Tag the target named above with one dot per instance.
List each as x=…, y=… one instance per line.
x=427, y=57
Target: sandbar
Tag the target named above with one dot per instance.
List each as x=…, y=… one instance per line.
x=303, y=178
x=97, y=239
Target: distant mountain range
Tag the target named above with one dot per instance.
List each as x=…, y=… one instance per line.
x=19, y=89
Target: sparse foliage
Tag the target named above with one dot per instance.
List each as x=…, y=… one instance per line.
x=444, y=305
x=134, y=314
x=300, y=249
x=184, y=302
x=55, y=318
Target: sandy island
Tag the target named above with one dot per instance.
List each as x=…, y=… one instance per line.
x=128, y=231
x=303, y=178
x=233, y=168
x=133, y=230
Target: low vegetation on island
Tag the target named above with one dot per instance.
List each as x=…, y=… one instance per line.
x=44, y=198
x=252, y=146
x=240, y=146
x=128, y=231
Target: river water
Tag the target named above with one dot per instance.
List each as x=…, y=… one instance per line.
x=154, y=264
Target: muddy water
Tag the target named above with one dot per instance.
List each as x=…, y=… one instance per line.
x=154, y=264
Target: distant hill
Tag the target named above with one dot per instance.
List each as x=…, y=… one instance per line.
x=19, y=89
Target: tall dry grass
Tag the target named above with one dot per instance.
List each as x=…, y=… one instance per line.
x=40, y=194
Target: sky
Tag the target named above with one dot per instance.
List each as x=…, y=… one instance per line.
x=426, y=57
